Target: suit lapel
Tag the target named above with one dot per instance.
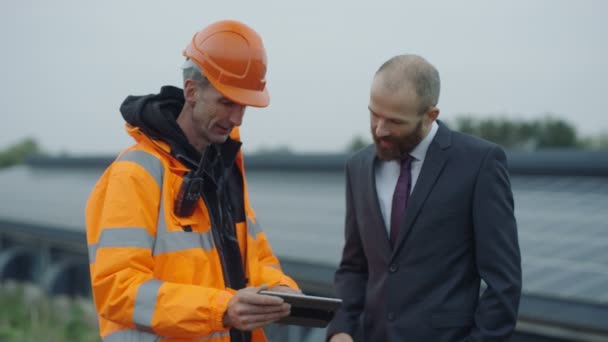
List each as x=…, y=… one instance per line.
x=369, y=180
x=434, y=161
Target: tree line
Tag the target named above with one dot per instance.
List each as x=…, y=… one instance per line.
x=547, y=132
x=513, y=134
x=17, y=153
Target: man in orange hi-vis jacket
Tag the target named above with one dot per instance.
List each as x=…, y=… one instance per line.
x=176, y=252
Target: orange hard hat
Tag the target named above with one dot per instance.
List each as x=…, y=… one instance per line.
x=232, y=57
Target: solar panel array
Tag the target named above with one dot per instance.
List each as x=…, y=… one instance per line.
x=563, y=221
x=562, y=224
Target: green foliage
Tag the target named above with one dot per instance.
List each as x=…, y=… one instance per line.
x=357, y=143
x=556, y=133
x=599, y=142
x=27, y=315
x=17, y=153
x=548, y=132
x=517, y=134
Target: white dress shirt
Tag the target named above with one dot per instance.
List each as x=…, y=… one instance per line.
x=387, y=173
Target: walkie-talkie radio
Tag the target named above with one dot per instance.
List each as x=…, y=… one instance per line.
x=191, y=189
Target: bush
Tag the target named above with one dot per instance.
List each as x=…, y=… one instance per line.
x=26, y=314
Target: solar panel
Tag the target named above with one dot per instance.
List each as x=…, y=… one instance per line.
x=562, y=220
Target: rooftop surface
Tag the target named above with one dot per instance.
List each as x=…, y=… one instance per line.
x=562, y=219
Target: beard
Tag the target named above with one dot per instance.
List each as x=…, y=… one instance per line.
x=402, y=145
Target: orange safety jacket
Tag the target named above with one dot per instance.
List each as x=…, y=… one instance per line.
x=151, y=279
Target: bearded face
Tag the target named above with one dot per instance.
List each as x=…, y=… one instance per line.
x=397, y=145
x=398, y=123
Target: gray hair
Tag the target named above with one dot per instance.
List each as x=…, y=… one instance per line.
x=191, y=71
x=418, y=72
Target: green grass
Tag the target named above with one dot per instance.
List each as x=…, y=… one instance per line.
x=26, y=314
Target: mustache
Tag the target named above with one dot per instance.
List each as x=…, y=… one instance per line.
x=387, y=139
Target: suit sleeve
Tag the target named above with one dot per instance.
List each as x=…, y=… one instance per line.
x=351, y=277
x=497, y=250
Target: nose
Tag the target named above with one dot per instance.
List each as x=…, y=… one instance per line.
x=380, y=129
x=236, y=117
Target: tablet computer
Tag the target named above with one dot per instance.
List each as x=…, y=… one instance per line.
x=309, y=311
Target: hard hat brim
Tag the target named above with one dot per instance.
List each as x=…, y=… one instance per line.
x=245, y=97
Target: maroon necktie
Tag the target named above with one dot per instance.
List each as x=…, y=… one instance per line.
x=400, y=197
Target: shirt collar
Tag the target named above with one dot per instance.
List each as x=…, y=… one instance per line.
x=419, y=152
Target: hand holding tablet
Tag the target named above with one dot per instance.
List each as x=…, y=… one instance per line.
x=310, y=311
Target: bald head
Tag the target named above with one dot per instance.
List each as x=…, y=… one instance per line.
x=402, y=71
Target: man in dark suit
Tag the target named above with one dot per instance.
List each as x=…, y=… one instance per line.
x=429, y=215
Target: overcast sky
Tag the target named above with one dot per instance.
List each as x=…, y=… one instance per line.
x=67, y=65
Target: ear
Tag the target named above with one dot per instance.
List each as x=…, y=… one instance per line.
x=432, y=114
x=190, y=89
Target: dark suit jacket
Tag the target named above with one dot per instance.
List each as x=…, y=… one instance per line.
x=459, y=229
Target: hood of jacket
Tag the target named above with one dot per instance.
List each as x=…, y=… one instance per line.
x=156, y=116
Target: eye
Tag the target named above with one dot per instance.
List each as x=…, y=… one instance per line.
x=227, y=103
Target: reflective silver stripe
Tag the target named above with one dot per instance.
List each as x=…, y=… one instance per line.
x=148, y=161
x=145, y=301
x=253, y=228
x=179, y=241
x=92, y=253
x=131, y=336
x=121, y=237
x=142, y=336
x=214, y=335
x=161, y=224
